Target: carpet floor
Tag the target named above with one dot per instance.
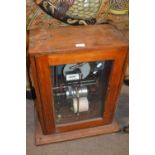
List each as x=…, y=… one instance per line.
x=111, y=144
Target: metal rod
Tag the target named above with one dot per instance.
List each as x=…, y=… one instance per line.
x=82, y=81
x=84, y=84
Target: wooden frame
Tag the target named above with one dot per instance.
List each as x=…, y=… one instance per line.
x=41, y=139
x=40, y=65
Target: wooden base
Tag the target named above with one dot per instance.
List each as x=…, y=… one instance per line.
x=41, y=139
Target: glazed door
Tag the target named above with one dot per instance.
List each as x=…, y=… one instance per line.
x=79, y=90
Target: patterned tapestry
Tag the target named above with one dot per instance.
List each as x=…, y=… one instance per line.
x=55, y=13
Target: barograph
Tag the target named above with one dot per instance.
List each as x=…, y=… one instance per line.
x=77, y=74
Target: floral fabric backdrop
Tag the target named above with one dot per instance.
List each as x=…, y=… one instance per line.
x=37, y=18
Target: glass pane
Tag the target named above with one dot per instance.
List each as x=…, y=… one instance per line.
x=79, y=90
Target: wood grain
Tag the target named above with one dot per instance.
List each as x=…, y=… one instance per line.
x=37, y=92
x=41, y=139
x=45, y=93
x=64, y=39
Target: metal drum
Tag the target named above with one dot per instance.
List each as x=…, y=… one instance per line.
x=73, y=92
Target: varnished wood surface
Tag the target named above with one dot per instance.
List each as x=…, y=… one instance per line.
x=45, y=93
x=65, y=38
x=57, y=46
x=38, y=96
x=44, y=61
x=41, y=139
x=85, y=56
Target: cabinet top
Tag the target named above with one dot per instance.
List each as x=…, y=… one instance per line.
x=74, y=38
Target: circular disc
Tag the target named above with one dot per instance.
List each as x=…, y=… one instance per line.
x=84, y=69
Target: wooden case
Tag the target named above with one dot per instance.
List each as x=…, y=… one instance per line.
x=59, y=46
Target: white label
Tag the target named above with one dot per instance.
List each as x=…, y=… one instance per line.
x=71, y=77
x=80, y=45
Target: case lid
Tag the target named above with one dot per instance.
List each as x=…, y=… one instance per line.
x=75, y=38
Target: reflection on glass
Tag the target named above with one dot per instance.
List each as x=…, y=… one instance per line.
x=80, y=90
